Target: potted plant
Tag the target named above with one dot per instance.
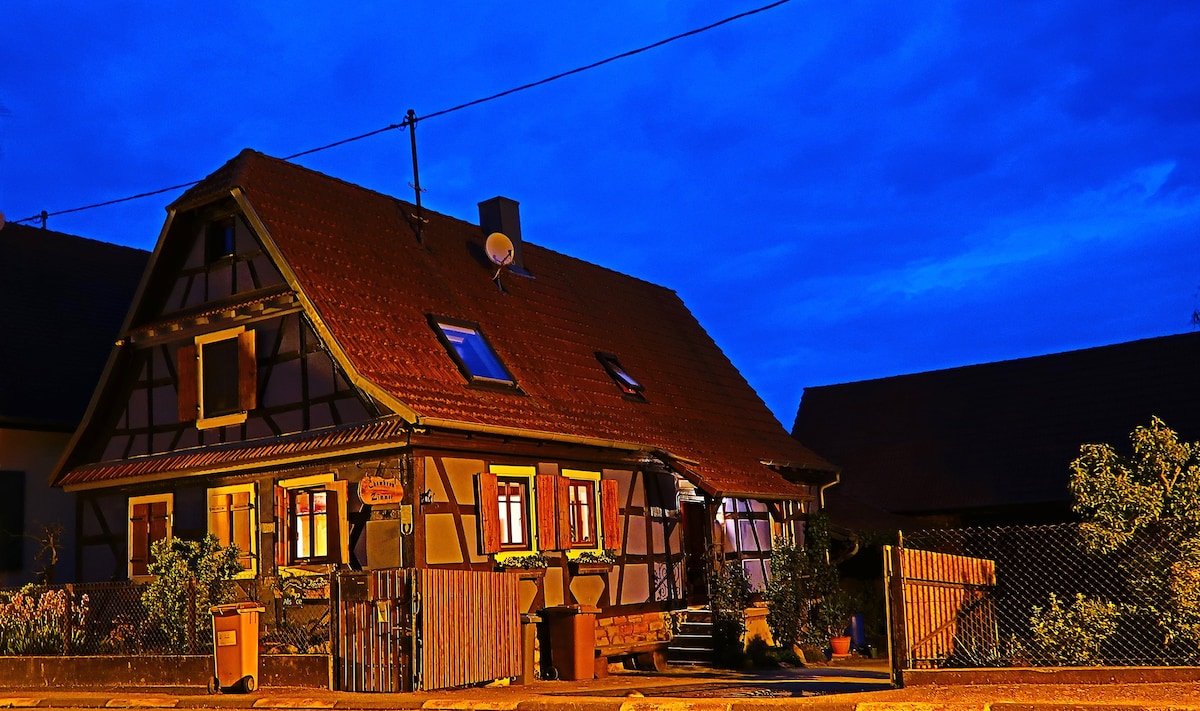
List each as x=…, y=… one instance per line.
x=832, y=617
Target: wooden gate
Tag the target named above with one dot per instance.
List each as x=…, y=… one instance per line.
x=466, y=626
x=937, y=604
x=470, y=627
x=374, y=631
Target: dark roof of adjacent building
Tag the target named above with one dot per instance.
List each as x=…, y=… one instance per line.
x=64, y=298
x=993, y=436
x=356, y=259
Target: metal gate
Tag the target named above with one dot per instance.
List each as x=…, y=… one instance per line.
x=937, y=604
x=463, y=627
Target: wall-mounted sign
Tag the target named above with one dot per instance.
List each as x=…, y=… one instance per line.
x=375, y=490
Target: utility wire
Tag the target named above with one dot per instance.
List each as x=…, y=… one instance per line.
x=405, y=123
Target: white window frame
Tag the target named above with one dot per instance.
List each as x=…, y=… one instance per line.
x=343, y=522
x=597, y=521
x=529, y=474
x=233, y=418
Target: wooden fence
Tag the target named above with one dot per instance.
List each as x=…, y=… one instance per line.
x=466, y=629
x=939, y=605
x=470, y=627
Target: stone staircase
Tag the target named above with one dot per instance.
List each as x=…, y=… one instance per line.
x=693, y=646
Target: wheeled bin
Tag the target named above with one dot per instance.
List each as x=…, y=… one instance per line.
x=572, y=632
x=235, y=647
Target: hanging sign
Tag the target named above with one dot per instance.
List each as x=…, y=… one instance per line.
x=375, y=490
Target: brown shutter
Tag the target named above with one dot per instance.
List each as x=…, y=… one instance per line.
x=281, y=526
x=189, y=385
x=487, y=507
x=247, y=372
x=610, y=514
x=547, y=538
x=562, y=497
x=139, y=534
x=336, y=521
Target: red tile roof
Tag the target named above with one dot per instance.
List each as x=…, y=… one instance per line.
x=356, y=257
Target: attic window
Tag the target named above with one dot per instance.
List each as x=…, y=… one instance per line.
x=471, y=352
x=218, y=240
x=628, y=384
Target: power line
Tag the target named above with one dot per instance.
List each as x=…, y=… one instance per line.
x=405, y=123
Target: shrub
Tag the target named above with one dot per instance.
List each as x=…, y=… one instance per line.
x=729, y=596
x=1073, y=635
x=188, y=581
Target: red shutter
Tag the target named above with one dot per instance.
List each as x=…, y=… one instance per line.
x=610, y=514
x=562, y=497
x=139, y=537
x=189, y=385
x=281, y=526
x=488, y=509
x=247, y=372
x=547, y=538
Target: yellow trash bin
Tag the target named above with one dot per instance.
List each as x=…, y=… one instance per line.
x=235, y=647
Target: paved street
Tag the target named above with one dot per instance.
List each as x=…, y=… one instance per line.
x=861, y=686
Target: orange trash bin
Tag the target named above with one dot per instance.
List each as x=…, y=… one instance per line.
x=235, y=647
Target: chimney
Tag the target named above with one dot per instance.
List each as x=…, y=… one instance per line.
x=501, y=214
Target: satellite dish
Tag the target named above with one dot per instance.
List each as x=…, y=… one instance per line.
x=499, y=249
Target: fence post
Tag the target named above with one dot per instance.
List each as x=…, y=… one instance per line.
x=70, y=591
x=191, y=619
x=894, y=595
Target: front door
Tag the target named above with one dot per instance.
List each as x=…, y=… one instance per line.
x=697, y=534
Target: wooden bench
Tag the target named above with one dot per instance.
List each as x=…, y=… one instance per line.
x=645, y=655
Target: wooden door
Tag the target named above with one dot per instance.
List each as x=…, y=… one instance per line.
x=697, y=535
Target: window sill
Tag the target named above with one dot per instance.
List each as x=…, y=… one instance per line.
x=579, y=567
x=523, y=573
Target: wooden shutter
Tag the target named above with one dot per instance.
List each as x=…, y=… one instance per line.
x=219, y=514
x=547, y=505
x=562, y=498
x=338, y=521
x=247, y=372
x=282, y=529
x=488, y=509
x=139, y=539
x=610, y=518
x=188, y=387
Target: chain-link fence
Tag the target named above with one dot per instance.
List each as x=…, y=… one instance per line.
x=1059, y=600
x=114, y=619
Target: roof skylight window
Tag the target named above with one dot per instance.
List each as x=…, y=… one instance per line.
x=628, y=384
x=472, y=352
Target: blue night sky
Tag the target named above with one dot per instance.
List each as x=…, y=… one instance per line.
x=839, y=191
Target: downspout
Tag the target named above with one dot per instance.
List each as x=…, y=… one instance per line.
x=837, y=479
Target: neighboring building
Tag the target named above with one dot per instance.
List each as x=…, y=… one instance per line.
x=64, y=298
x=991, y=444
x=298, y=349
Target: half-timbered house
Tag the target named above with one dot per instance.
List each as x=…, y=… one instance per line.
x=329, y=378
